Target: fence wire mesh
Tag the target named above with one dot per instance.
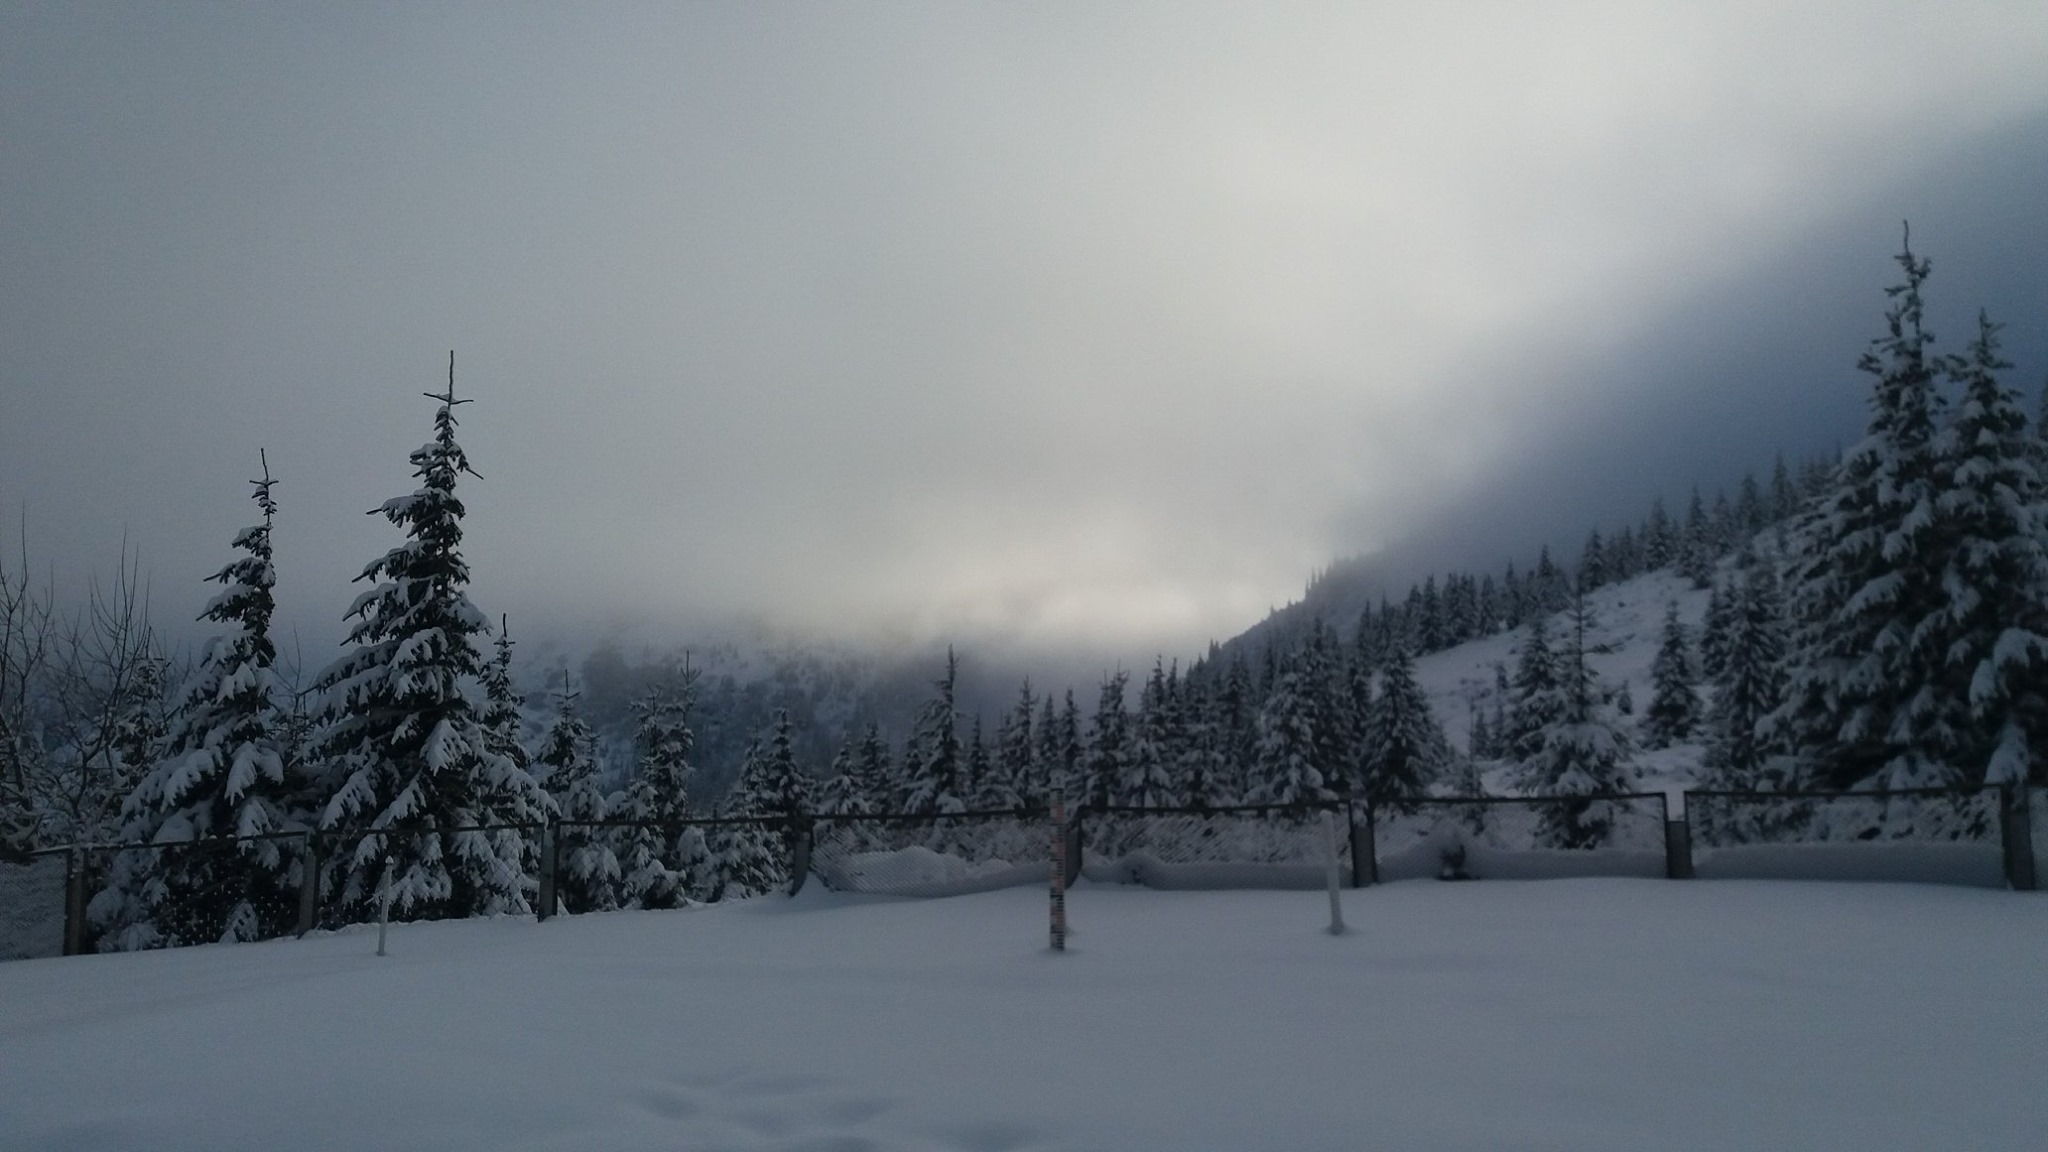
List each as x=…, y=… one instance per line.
x=413, y=874
x=159, y=895
x=1497, y=837
x=192, y=892
x=601, y=865
x=934, y=854
x=1944, y=835
x=32, y=905
x=1250, y=846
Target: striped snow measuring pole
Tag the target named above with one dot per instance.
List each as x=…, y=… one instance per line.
x=1059, y=870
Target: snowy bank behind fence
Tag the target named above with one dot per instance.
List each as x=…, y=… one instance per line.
x=1281, y=846
x=1521, y=838
x=1934, y=835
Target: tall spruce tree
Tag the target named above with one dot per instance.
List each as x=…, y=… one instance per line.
x=1404, y=747
x=1674, y=695
x=1581, y=751
x=1109, y=753
x=408, y=760
x=1149, y=780
x=219, y=772
x=1989, y=631
x=566, y=763
x=656, y=852
x=1017, y=758
x=1532, y=702
x=1863, y=706
x=1285, y=770
x=749, y=857
x=1749, y=688
x=934, y=762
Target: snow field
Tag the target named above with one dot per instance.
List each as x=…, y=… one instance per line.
x=1582, y=1014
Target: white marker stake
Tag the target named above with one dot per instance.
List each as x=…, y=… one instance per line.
x=1330, y=873
x=384, y=907
x=1059, y=870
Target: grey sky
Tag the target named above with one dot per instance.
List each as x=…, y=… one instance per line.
x=1072, y=325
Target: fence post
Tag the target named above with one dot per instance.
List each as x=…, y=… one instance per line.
x=550, y=858
x=74, y=901
x=309, y=885
x=799, y=834
x=1677, y=842
x=2016, y=830
x=1075, y=844
x=1365, y=865
x=1058, y=891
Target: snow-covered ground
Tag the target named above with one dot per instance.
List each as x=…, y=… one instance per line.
x=1581, y=1015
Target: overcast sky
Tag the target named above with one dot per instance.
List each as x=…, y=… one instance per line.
x=1085, y=326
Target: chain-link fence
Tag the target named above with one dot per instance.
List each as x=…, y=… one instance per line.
x=32, y=905
x=105, y=897
x=1247, y=846
x=1935, y=835
x=1524, y=838
x=934, y=854
x=601, y=865
x=191, y=892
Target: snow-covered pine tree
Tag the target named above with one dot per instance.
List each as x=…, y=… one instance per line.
x=988, y=786
x=1148, y=782
x=1479, y=736
x=1052, y=769
x=1551, y=591
x=1533, y=701
x=504, y=736
x=1696, y=550
x=1582, y=751
x=1991, y=627
x=1328, y=682
x=588, y=874
x=1750, y=514
x=1108, y=755
x=1593, y=563
x=1784, y=499
x=654, y=849
x=1750, y=687
x=1660, y=538
x=1675, y=706
x=219, y=772
x=841, y=792
x=785, y=789
x=748, y=858
x=1716, y=627
x=1232, y=713
x=1486, y=612
x=405, y=750
x=1204, y=766
x=1017, y=759
x=872, y=768
x=1861, y=705
x=939, y=784
x=1404, y=746
x=1285, y=769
